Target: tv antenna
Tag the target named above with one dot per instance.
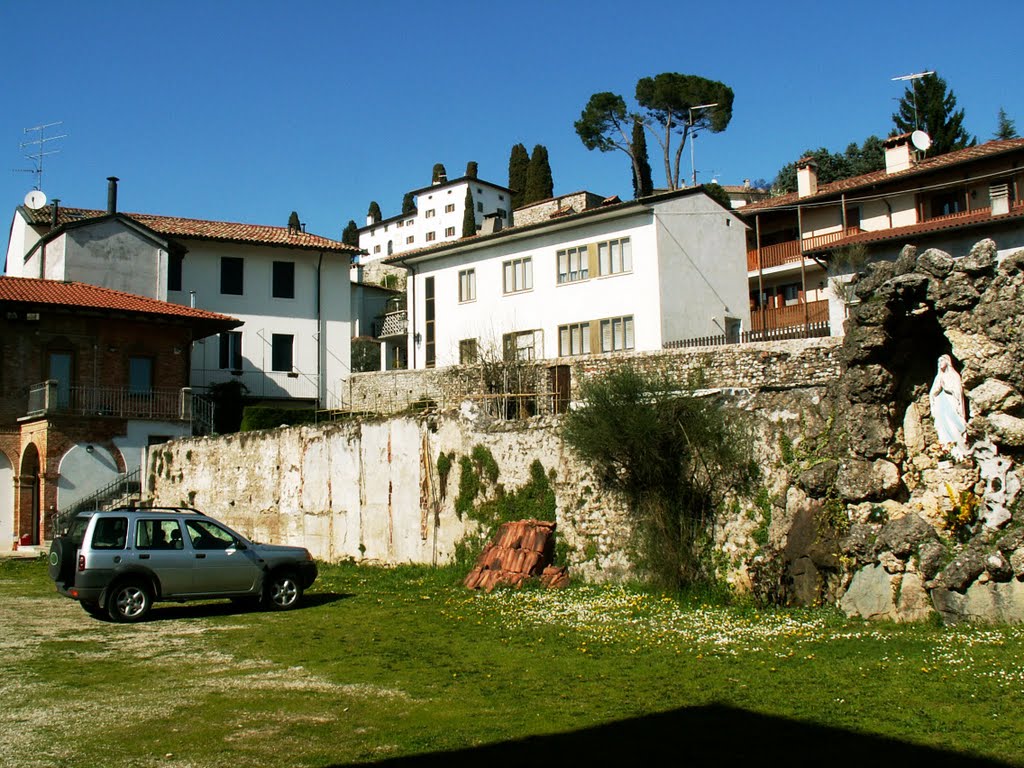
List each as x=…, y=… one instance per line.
x=913, y=90
x=37, y=157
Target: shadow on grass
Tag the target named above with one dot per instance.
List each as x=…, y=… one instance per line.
x=206, y=609
x=714, y=735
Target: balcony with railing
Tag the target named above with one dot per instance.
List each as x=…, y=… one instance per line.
x=392, y=325
x=812, y=315
x=790, y=252
x=51, y=398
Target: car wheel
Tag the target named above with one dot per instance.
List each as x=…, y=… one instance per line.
x=129, y=601
x=61, y=562
x=93, y=609
x=283, y=591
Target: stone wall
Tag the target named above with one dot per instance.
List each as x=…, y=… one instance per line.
x=545, y=209
x=756, y=366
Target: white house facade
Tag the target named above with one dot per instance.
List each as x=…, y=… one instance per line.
x=438, y=217
x=291, y=289
x=623, y=276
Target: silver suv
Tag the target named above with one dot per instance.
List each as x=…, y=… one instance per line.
x=117, y=562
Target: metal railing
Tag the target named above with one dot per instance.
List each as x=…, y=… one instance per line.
x=123, y=489
x=50, y=397
x=791, y=316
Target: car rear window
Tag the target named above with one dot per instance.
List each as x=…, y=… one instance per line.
x=110, y=533
x=76, y=532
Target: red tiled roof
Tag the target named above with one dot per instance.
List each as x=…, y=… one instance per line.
x=30, y=290
x=174, y=226
x=950, y=159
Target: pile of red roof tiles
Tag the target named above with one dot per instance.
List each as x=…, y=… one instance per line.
x=521, y=550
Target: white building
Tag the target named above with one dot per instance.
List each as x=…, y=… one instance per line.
x=291, y=289
x=619, y=276
x=437, y=218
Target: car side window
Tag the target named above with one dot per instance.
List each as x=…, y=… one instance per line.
x=205, y=535
x=158, y=534
x=110, y=533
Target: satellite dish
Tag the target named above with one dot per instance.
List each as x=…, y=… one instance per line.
x=921, y=140
x=35, y=200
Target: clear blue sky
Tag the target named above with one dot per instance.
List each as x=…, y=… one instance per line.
x=245, y=110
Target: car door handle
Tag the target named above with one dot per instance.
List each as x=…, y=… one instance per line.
x=143, y=557
x=200, y=557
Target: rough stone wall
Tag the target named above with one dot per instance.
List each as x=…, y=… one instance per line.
x=544, y=209
x=868, y=512
x=362, y=491
x=769, y=365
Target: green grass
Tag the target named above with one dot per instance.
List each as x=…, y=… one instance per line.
x=384, y=664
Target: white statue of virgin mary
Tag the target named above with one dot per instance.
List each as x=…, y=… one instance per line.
x=948, y=412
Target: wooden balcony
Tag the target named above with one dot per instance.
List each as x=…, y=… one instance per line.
x=790, y=252
x=798, y=315
x=392, y=325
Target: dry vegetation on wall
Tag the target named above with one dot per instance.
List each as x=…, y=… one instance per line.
x=674, y=456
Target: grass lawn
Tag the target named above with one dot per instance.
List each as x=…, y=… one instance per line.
x=405, y=666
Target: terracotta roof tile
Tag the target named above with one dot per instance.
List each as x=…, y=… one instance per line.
x=174, y=226
x=948, y=160
x=519, y=550
x=30, y=290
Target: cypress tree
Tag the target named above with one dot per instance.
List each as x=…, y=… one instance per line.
x=408, y=206
x=471, y=169
x=439, y=171
x=539, y=184
x=374, y=212
x=294, y=223
x=642, y=185
x=518, y=163
x=469, y=215
x=350, y=234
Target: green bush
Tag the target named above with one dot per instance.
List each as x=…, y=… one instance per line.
x=266, y=417
x=673, y=456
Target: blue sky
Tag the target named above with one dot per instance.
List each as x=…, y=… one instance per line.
x=244, y=111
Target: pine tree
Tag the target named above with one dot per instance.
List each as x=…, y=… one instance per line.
x=471, y=169
x=374, y=212
x=350, y=234
x=928, y=105
x=643, y=185
x=293, y=222
x=518, y=163
x=408, y=206
x=438, y=173
x=539, y=184
x=469, y=215
x=1006, y=129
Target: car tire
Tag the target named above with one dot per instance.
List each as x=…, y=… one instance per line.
x=94, y=609
x=129, y=601
x=62, y=560
x=283, y=591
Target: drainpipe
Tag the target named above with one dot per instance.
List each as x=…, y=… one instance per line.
x=321, y=384
x=803, y=268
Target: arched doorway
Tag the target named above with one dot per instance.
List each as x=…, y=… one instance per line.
x=7, y=527
x=28, y=498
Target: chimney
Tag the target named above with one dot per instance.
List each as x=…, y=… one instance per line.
x=492, y=224
x=898, y=155
x=370, y=221
x=999, y=194
x=112, y=194
x=807, y=177
x=55, y=218
x=746, y=183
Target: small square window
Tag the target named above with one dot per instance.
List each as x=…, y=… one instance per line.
x=281, y=351
x=231, y=275
x=284, y=280
x=409, y=240
x=430, y=236
x=449, y=231
x=450, y=208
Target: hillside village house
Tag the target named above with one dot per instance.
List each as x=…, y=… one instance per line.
x=580, y=275
x=89, y=378
x=796, y=242
x=291, y=289
x=437, y=217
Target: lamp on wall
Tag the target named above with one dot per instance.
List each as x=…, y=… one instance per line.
x=89, y=449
